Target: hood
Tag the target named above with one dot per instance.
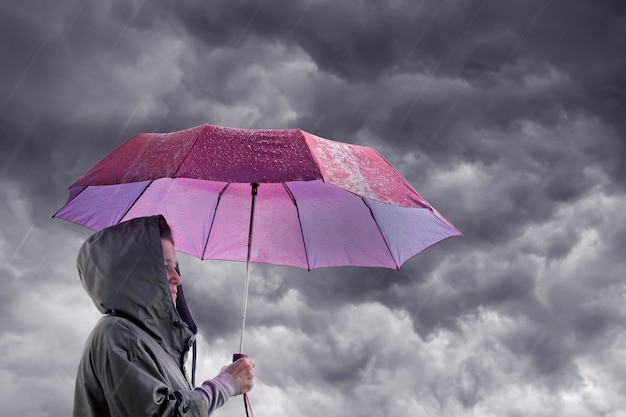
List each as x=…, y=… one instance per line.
x=121, y=268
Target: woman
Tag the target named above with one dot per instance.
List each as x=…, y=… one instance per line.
x=133, y=361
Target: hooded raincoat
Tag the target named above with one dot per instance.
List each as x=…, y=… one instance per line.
x=133, y=361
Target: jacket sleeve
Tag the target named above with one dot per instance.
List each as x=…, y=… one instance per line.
x=135, y=383
x=135, y=387
x=218, y=390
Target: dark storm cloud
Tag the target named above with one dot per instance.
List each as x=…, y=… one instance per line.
x=473, y=40
x=401, y=39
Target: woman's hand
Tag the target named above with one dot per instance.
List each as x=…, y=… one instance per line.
x=243, y=372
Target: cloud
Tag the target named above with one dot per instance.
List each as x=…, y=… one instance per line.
x=506, y=116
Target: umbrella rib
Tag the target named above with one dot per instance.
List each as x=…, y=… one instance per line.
x=293, y=200
x=208, y=235
x=84, y=187
x=381, y=232
x=135, y=201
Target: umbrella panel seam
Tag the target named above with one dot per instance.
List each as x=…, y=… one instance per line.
x=71, y=198
x=130, y=206
x=381, y=233
x=191, y=146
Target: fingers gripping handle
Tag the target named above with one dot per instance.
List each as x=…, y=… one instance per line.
x=246, y=400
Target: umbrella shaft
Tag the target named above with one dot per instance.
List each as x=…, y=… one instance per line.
x=244, y=308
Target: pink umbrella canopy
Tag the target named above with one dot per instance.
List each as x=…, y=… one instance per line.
x=318, y=203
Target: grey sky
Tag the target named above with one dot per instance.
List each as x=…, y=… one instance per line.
x=507, y=116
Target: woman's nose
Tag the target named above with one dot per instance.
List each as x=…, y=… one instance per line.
x=175, y=278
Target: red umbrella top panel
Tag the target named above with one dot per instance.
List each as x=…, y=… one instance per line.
x=235, y=155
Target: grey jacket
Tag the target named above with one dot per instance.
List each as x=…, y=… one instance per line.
x=133, y=361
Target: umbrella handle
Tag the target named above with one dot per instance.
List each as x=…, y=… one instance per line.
x=246, y=400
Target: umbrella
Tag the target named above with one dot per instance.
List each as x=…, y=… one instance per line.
x=283, y=197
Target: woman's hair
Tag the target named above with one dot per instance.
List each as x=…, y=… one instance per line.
x=164, y=229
